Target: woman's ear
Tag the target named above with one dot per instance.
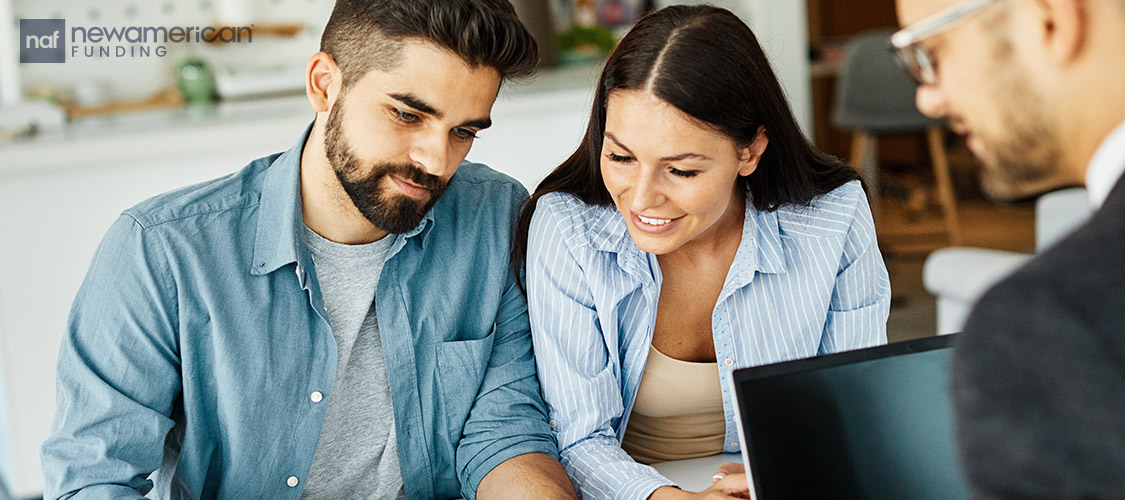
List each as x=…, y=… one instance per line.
x=322, y=81
x=750, y=155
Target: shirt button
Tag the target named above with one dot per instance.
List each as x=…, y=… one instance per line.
x=316, y=397
x=552, y=424
x=728, y=361
x=292, y=481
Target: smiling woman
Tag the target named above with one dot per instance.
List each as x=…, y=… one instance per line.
x=671, y=177
x=694, y=231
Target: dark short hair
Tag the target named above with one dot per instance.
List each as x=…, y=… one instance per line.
x=362, y=35
x=707, y=63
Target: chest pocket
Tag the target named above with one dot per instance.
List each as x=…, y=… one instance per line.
x=461, y=365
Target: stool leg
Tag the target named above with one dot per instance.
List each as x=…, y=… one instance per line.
x=865, y=159
x=944, y=184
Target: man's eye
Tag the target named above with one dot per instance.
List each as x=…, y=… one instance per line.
x=683, y=173
x=406, y=116
x=466, y=134
x=618, y=158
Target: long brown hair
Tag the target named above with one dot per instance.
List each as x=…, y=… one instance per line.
x=707, y=63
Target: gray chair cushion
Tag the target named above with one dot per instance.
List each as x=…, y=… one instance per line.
x=874, y=94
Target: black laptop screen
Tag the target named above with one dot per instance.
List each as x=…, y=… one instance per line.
x=869, y=424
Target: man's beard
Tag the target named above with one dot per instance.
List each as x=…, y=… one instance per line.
x=1022, y=160
x=394, y=213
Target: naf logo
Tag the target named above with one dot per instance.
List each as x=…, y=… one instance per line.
x=42, y=40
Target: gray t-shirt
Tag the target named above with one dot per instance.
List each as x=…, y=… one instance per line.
x=356, y=456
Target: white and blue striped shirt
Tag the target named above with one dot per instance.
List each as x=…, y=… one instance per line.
x=804, y=281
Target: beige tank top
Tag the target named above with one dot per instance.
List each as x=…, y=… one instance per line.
x=678, y=413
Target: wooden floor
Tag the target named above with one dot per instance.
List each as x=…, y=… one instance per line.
x=908, y=235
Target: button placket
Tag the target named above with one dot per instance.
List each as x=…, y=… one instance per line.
x=724, y=346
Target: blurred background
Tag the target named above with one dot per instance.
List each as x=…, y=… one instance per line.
x=83, y=140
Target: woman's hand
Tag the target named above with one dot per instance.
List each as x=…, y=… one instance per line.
x=728, y=483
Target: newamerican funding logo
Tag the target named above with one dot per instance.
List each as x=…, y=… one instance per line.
x=46, y=40
x=42, y=40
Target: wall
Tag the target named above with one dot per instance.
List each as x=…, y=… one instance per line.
x=9, y=55
x=782, y=29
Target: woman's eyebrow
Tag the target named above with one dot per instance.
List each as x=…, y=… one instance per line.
x=681, y=156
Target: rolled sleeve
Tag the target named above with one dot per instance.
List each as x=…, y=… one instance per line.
x=604, y=470
x=118, y=372
x=579, y=378
x=860, y=304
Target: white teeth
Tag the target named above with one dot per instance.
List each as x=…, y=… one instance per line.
x=653, y=222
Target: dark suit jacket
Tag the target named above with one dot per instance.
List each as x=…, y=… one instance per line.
x=1039, y=374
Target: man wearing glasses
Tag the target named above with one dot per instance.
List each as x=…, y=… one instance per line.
x=1036, y=86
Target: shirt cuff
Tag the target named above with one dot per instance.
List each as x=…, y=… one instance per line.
x=469, y=489
x=641, y=488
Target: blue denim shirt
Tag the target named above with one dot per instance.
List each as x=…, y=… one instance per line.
x=199, y=335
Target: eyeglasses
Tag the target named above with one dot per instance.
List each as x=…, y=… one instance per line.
x=918, y=60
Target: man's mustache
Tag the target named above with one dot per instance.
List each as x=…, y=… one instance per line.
x=410, y=173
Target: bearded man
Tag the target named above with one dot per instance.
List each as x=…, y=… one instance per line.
x=334, y=321
x=1039, y=370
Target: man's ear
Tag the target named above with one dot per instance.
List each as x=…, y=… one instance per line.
x=322, y=81
x=1064, y=25
x=750, y=155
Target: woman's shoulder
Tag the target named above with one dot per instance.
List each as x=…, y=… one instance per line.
x=831, y=214
x=566, y=215
x=558, y=203
x=557, y=212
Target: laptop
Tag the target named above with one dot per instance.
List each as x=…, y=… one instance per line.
x=869, y=424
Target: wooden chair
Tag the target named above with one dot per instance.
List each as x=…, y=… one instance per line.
x=876, y=97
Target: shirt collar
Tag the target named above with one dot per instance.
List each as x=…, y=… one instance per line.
x=1106, y=166
x=280, y=239
x=759, y=251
